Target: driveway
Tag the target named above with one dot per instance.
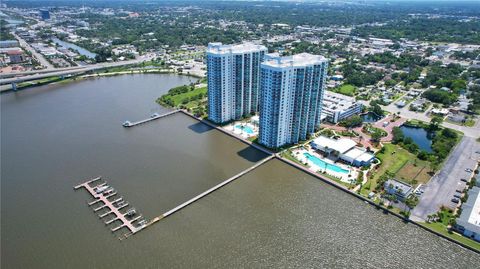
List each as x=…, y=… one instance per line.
x=389, y=127
x=441, y=188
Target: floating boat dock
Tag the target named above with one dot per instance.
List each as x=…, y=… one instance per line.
x=154, y=116
x=135, y=223
x=102, y=194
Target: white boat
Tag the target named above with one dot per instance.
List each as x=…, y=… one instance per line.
x=101, y=189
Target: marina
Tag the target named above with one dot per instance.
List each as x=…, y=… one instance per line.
x=155, y=171
x=154, y=116
x=102, y=194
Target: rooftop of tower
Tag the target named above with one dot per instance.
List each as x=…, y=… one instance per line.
x=297, y=60
x=219, y=48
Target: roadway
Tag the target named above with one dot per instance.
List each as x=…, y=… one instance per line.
x=35, y=54
x=69, y=71
x=40, y=71
x=406, y=113
x=442, y=186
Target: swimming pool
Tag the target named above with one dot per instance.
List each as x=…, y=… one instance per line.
x=322, y=164
x=245, y=128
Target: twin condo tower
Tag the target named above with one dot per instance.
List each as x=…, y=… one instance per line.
x=287, y=91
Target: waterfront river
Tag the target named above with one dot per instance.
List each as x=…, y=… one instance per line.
x=54, y=137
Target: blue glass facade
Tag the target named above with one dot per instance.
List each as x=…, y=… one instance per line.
x=292, y=95
x=233, y=76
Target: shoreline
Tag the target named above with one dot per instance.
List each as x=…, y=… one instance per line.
x=7, y=87
x=333, y=183
x=255, y=145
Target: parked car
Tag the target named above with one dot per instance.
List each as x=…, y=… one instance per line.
x=459, y=191
x=468, y=170
x=464, y=180
x=455, y=200
x=457, y=196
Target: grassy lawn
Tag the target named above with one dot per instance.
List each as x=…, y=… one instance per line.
x=405, y=165
x=179, y=98
x=346, y=89
x=348, y=185
x=441, y=228
x=415, y=123
x=38, y=81
x=415, y=171
x=287, y=154
x=369, y=129
x=470, y=123
x=393, y=159
x=367, y=188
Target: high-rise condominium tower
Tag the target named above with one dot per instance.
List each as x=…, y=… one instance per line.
x=291, y=97
x=233, y=73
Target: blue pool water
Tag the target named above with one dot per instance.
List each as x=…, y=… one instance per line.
x=322, y=164
x=245, y=128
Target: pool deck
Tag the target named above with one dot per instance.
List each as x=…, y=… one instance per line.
x=243, y=133
x=299, y=155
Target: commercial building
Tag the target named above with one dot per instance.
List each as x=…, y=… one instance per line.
x=233, y=73
x=8, y=43
x=291, y=97
x=344, y=149
x=16, y=56
x=44, y=14
x=469, y=221
x=337, y=107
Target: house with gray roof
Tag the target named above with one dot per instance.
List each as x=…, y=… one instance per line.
x=400, y=189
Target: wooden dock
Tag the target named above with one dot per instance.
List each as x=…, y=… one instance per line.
x=155, y=116
x=113, y=207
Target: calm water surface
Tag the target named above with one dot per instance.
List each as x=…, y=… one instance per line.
x=370, y=117
x=419, y=136
x=56, y=136
x=69, y=45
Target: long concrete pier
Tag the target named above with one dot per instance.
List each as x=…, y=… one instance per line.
x=205, y=193
x=155, y=116
x=113, y=206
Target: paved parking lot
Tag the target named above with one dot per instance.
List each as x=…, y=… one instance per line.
x=441, y=188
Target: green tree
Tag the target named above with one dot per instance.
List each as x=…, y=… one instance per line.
x=376, y=108
x=353, y=121
x=376, y=136
x=435, y=122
